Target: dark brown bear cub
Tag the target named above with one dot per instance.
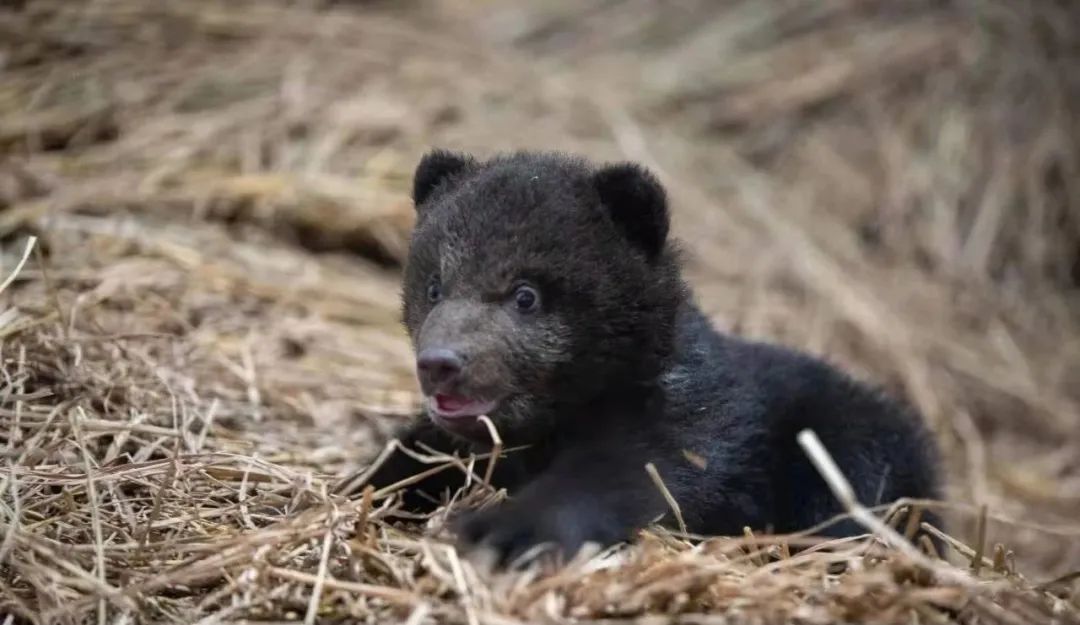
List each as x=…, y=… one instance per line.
x=543, y=292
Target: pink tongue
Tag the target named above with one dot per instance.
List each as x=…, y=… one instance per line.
x=449, y=403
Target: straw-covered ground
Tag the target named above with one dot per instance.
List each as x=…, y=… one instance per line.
x=203, y=337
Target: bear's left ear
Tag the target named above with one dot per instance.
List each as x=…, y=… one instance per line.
x=637, y=202
x=433, y=169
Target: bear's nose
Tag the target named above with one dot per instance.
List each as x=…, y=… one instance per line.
x=438, y=367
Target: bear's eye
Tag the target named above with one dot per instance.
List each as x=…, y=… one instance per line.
x=434, y=290
x=526, y=298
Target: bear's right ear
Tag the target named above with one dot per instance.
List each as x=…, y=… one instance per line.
x=637, y=203
x=433, y=169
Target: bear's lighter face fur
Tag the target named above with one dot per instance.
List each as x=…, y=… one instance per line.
x=589, y=244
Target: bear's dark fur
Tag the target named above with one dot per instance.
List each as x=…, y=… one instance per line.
x=544, y=292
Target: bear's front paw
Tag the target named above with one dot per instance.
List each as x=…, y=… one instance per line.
x=515, y=528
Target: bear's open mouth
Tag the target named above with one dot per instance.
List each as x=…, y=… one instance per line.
x=458, y=407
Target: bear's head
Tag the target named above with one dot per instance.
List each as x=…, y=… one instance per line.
x=536, y=284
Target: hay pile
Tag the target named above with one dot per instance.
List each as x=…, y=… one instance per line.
x=204, y=336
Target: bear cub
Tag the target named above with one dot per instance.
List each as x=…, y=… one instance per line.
x=543, y=292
